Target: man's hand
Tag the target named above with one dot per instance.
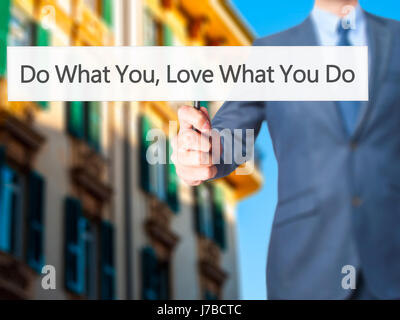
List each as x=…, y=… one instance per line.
x=192, y=149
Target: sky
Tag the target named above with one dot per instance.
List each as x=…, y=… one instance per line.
x=256, y=213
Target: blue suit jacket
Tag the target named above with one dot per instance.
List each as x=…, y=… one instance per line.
x=338, y=196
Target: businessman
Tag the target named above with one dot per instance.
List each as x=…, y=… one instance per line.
x=339, y=167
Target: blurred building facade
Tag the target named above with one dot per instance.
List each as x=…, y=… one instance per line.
x=76, y=191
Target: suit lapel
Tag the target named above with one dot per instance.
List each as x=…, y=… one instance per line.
x=327, y=110
x=379, y=40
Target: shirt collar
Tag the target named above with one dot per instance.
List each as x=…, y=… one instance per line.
x=328, y=22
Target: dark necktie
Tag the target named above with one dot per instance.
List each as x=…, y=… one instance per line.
x=348, y=109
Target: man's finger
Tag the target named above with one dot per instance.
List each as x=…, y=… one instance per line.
x=192, y=158
x=196, y=173
x=189, y=139
x=192, y=183
x=190, y=117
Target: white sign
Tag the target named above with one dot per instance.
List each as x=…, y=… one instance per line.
x=187, y=73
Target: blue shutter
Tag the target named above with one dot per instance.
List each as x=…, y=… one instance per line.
x=150, y=281
x=42, y=39
x=74, y=250
x=5, y=218
x=210, y=296
x=76, y=119
x=197, y=212
x=200, y=210
x=173, y=182
x=145, y=126
x=35, y=252
x=219, y=227
x=107, y=261
x=93, y=124
x=2, y=155
x=6, y=178
x=218, y=217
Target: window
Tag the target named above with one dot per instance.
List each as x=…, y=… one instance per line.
x=23, y=31
x=74, y=246
x=17, y=29
x=22, y=207
x=90, y=250
x=156, y=33
x=203, y=211
x=153, y=177
x=21, y=28
x=107, y=262
x=36, y=204
x=157, y=170
x=155, y=276
x=151, y=33
x=84, y=122
x=86, y=258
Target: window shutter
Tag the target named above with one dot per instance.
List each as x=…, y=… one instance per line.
x=210, y=296
x=168, y=36
x=198, y=210
x=75, y=119
x=107, y=261
x=41, y=38
x=2, y=155
x=150, y=281
x=149, y=29
x=145, y=126
x=205, y=104
x=35, y=252
x=74, y=251
x=163, y=269
x=6, y=208
x=93, y=124
x=3, y=54
x=173, y=183
x=4, y=15
x=219, y=220
x=5, y=219
x=4, y=21
x=107, y=11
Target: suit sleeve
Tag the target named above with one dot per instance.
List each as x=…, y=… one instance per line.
x=237, y=117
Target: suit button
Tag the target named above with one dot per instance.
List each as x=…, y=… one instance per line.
x=356, y=201
x=353, y=145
